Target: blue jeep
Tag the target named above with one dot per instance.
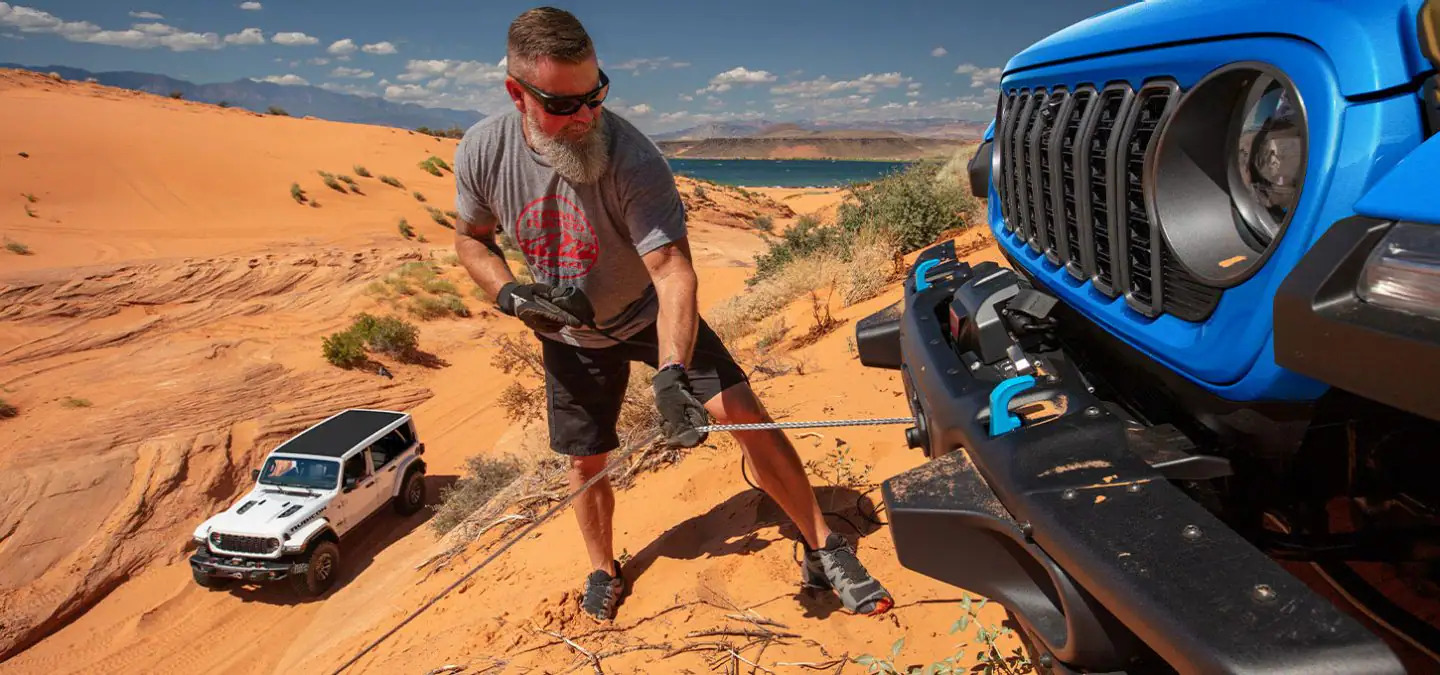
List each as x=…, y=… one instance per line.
x=1214, y=358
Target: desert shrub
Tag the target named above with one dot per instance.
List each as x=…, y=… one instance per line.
x=347, y=180
x=439, y=216
x=388, y=334
x=455, y=305
x=177, y=95
x=806, y=239
x=874, y=263
x=223, y=104
x=911, y=207
x=276, y=110
x=450, y=260
x=514, y=354
x=405, y=229
x=521, y=402
x=429, y=166
x=335, y=185
x=419, y=197
x=454, y=215
x=428, y=307
x=18, y=248
x=439, y=286
x=30, y=212
x=30, y=197
x=296, y=193
x=484, y=476
x=699, y=191
x=345, y=349
x=72, y=402
x=7, y=410
x=771, y=333
x=392, y=181
x=361, y=171
x=400, y=285
x=763, y=223
x=422, y=238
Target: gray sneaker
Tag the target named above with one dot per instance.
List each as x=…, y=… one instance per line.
x=835, y=567
x=602, y=593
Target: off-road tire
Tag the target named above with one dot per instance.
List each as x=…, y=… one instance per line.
x=412, y=493
x=322, y=566
x=206, y=581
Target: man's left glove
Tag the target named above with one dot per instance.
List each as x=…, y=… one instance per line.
x=679, y=409
x=535, y=305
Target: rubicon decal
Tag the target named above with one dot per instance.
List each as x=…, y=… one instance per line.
x=557, y=238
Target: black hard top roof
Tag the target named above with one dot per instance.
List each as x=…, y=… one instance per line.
x=340, y=433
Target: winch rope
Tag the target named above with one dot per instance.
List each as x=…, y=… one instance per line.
x=616, y=459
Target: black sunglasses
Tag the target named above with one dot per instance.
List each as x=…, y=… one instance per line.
x=564, y=106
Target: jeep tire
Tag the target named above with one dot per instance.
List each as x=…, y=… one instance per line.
x=322, y=563
x=206, y=581
x=412, y=492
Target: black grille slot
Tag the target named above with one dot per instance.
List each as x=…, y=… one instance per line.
x=236, y=543
x=1046, y=174
x=1113, y=103
x=1020, y=167
x=1140, y=256
x=1183, y=295
x=1007, y=167
x=1069, y=197
x=1002, y=139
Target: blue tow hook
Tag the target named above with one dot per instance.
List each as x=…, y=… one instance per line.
x=921, y=283
x=1002, y=421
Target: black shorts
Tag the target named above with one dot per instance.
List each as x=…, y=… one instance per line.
x=585, y=386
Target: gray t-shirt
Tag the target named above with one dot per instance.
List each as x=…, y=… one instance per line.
x=587, y=236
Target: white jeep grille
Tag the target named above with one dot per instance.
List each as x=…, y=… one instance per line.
x=238, y=543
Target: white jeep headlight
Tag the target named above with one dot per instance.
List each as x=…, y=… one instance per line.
x=1403, y=271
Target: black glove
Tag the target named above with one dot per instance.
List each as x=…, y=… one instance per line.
x=533, y=304
x=680, y=411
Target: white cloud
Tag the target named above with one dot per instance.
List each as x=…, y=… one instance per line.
x=461, y=72
x=638, y=110
x=12, y=36
x=352, y=72
x=249, y=36
x=319, y=61
x=686, y=97
x=737, y=75
x=293, y=39
x=912, y=94
x=380, y=48
x=646, y=65
x=407, y=93
x=146, y=15
x=938, y=51
x=979, y=77
x=914, y=85
x=252, y=6
x=824, y=86
x=342, y=47
x=287, y=80
x=138, y=36
x=353, y=89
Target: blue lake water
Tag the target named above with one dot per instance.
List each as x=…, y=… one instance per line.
x=784, y=172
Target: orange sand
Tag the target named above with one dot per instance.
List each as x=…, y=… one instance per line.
x=177, y=287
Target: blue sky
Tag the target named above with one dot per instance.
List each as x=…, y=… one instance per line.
x=672, y=64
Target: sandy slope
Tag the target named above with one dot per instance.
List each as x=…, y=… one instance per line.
x=177, y=288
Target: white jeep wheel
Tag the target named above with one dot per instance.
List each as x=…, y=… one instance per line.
x=412, y=493
x=322, y=566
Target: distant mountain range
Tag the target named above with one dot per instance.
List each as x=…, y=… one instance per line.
x=928, y=127
x=298, y=100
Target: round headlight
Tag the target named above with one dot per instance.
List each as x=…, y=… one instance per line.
x=1228, y=171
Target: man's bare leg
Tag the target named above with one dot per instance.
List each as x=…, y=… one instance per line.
x=595, y=510
x=777, y=466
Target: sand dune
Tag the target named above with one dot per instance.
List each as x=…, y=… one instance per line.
x=165, y=333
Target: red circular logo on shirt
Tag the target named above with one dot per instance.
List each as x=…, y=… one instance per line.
x=555, y=237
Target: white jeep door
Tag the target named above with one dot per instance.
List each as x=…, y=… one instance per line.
x=354, y=504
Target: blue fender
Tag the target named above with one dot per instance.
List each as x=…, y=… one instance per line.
x=1408, y=191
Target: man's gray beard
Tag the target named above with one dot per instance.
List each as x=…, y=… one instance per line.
x=583, y=161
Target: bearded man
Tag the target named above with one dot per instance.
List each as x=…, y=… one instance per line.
x=592, y=204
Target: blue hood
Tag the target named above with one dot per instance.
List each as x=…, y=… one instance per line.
x=1372, y=44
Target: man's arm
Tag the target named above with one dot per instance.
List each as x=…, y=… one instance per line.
x=673, y=274
x=481, y=256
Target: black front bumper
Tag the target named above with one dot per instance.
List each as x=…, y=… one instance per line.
x=244, y=569
x=1062, y=521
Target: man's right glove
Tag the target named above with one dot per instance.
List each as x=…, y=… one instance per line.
x=680, y=411
x=533, y=304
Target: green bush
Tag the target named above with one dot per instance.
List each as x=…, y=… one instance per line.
x=345, y=349
x=805, y=239
x=347, y=180
x=17, y=248
x=296, y=193
x=72, y=402
x=362, y=171
x=333, y=184
x=387, y=334
x=177, y=95
x=763, y=223
x=7, y=410
x=276, y=110
x=406, y=230
x=419, y=197
x=428, y=307
x=392, y=181
x=439, y=286
x=439, y=216
x=430, y=167
x=484, y=477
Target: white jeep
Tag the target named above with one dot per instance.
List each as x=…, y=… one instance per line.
x=312, y=490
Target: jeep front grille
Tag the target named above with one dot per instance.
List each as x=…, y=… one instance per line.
x=1072, y=186
x=236, y=543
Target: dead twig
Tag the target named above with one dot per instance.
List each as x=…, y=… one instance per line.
x=812, y=665
x=740, y=632
x=594, y=660
x=757, y=620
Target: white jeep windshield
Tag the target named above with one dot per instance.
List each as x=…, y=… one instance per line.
x=323, y=474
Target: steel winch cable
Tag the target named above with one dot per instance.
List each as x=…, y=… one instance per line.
x=616, y=459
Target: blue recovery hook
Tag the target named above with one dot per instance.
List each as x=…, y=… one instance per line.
x=1002, y=421
x=921, y=283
